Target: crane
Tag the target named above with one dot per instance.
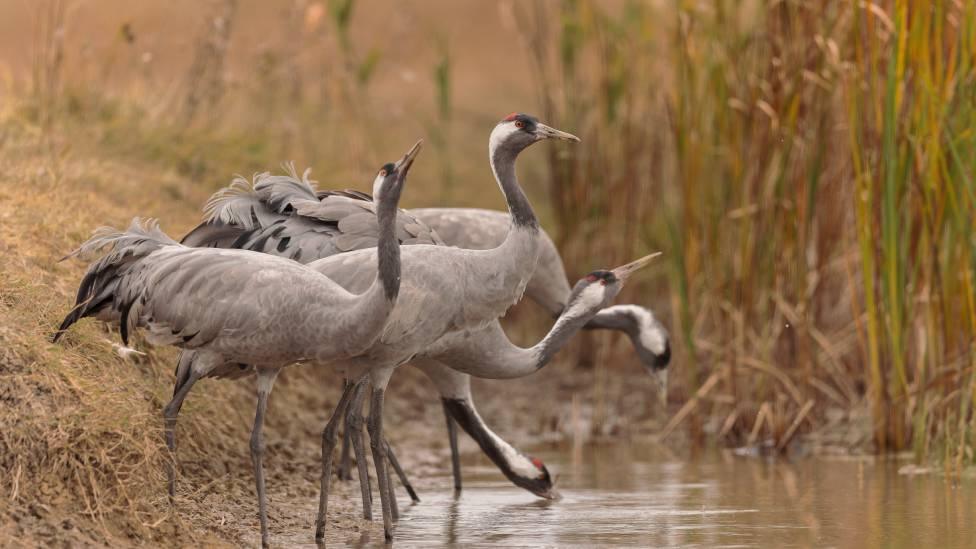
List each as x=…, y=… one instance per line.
x=236, y=307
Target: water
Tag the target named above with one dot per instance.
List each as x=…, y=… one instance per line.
x=631, y=495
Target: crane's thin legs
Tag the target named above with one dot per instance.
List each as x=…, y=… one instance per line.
x=345, y=465
x=400, y=473
x=452, y=438
x=266, y=378
x=354, y=426
x=329, y=439
x=394, y=507
x=170, y=413
x=375, y=427
x=344, y=471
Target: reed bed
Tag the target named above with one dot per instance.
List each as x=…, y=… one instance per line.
x=808, y=168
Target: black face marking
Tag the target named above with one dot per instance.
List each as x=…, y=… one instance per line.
x=389, y=168
x=528, y=123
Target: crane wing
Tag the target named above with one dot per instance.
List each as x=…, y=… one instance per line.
x=285, y=215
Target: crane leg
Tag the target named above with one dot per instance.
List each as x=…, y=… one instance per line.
x=375, y=427
x=266, y=378
x=170, y=413
x=452, y=438
x=400, y=473
x=344, y=471
x=329, y=439
x=354, y=426
x=394, y=507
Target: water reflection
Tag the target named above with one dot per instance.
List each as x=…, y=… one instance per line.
x=641, y=495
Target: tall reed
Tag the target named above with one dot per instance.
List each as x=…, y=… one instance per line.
x=808, y=168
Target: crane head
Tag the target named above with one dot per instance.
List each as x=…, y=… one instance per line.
x=535, y=478
x=595, y=290
x=517, y=131
x=393, y=174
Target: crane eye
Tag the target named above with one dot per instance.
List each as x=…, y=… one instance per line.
x=519, y=123
x=382, y=173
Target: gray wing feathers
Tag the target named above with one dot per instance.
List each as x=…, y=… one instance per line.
x=140, y=238
x=285, y=215
x=100, y=287
x=279, y=192
x=237, y=204
x=212, y=235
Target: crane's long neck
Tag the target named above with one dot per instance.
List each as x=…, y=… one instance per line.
x=499, y=275
x=502, y=160
x=388, y=247
x=367, y=317
x=516, y=467
x=565, y=328
x=489, y=353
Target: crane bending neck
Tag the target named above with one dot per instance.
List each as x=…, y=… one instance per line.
x=512, y=463
x=490, y=354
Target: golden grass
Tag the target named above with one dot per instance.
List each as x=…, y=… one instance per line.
x=79, y=422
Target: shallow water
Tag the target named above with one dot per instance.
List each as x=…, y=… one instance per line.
x=633, y=495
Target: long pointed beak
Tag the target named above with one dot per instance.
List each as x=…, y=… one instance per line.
x=403, y=165
x=552, y=133
x=623, y=272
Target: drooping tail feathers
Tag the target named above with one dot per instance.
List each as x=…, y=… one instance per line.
x=98, y=287
x=249, y=205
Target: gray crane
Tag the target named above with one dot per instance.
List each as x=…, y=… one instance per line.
x=235, y=307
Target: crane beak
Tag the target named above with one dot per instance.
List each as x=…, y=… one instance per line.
x=545, y=132
x=624, y=272
x=660, y=378
x=551, y=494
x=403, y=165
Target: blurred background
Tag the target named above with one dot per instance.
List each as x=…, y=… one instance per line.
x=807, y=168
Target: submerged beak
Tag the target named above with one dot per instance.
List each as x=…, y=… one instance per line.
x=403, y=165
x=623, y=272
x=661, y=381
x=551, y=494
x=552, y=133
